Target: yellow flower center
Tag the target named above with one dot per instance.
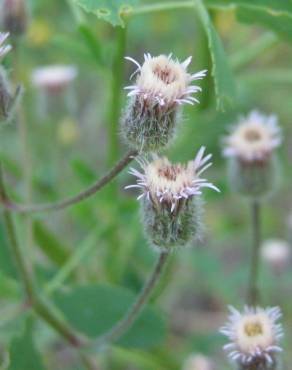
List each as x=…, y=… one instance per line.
x=253, y=329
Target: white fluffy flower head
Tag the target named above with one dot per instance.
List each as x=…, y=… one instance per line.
x=276, y=252
x=254, y=335
x=168, y=184
x=198, y=362
x=4, y=49
x=54, y=78
x=164, y=81
x=254, y=138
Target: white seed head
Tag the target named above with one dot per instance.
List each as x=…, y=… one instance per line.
x=54, y=78
x=164, y=81
x=198, y=362
x=4, y=49
x=168, y=184
x=276, y=253
x=254, y=138
x=254, y=336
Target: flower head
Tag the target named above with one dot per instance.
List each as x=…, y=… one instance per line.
x=198, y=362
x=162, y=85
x=170, y=199
x=254, y=138
x=14, y=16
x=54, y=78
x=276, y=253
x=167, y=184
x=4, y=49
x=164, y=81
x=254, y=336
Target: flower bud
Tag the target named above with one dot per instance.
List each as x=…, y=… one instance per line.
x=276, y=253
x=198, y=362
x=171, y=200
x=162, y=86
x=254, y=337
x=14, y=16
x=252, y=165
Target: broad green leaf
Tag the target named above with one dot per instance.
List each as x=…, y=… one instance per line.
x=273, y=7
x=23, y=354
x=109, y=10
x=221, y=72
x=94, y=309
x=51, y=246
x=281, y=24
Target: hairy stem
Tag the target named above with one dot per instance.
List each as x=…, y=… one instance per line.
x=27, y=279
x=133, y=313
x=22, y=208
x=253, y=292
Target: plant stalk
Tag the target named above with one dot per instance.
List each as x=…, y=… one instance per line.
x=253, y=292
x=135, y=310
x=98, y=185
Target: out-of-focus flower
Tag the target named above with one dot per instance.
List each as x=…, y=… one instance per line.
x=198, y=362
x=254, y=138
x=277, y=253
x=14, y=16
x=39, y=32
x=68, y=131
x=171, y=199
x=254, y=337
x=54, y=78
x=162, y=85
x=4, y=49
x=250, y=147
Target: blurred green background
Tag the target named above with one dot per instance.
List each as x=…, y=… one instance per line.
x=70, y=140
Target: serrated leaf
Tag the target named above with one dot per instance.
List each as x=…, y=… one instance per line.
x=221, y=72
x=109, y=10
x=94, y=309
x=278, y=7
x=282, y=24
x=23, y=354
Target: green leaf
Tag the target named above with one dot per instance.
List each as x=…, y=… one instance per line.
x=109, y=10
x=274, y=7
x=23, y=354
x=50, y=244
x=94, y=309
x=221, y=72
x=281, y=24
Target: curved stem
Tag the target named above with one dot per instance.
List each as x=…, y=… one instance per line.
x=26, y=276
x=22, y=208
x=133, y=313
x=253, y=293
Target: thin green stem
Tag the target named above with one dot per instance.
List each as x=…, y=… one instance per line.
x=116, y=96
x=83, y=250
x=28, y=280
x=98, y=185
x=252, y=51
x=253, y=290
x=134, y=312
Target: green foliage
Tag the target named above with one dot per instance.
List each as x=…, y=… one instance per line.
x=51, y=246
x=281, y=24
x=222, y=75
x=109, y=10
x=94, y=309
x=23, y=353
